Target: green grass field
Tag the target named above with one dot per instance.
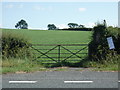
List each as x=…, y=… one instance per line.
x=50, y=37
x=53, y=37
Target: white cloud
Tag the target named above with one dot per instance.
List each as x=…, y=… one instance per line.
x=14, y=6
x=37, y=28
x=90, y=24
x=9, y=6
x=32, y=28
x=0, y=25
x=43, y=28
x=82, y=9
x=37, y=7
x=42, y=8
x=61, y=26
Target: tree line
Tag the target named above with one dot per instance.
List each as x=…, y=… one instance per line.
x=22, y=24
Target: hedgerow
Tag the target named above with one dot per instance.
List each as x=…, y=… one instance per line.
x=98, y=47
x=14, y=45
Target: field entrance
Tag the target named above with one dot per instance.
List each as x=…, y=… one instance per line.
x=54, y=53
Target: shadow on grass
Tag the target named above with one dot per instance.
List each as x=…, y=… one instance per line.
x=67, y=64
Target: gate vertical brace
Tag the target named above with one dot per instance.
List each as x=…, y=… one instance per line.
x=59, y=53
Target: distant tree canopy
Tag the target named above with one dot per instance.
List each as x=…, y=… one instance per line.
x=73, y=25
x=22, y=24
x=81, y=26
x=51, y=27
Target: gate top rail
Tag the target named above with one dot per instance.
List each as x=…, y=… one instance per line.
x=59, y=44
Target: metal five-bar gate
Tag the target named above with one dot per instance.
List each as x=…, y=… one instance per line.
x=55, y=53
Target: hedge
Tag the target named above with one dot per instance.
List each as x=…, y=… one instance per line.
x=14, y=45
x=98, y=47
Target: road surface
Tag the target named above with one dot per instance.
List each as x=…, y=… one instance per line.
x=61, y=79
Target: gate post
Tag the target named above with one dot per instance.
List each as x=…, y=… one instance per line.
x=59, y=53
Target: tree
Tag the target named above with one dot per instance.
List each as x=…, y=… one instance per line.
x=98, y=47
x=22, y=24
x=73, y=25
x=81, y=26
x=51, y=27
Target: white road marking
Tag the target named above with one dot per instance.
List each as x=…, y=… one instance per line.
x=78, y=81
x=22, y=82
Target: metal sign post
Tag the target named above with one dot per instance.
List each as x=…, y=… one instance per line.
x=110, y=43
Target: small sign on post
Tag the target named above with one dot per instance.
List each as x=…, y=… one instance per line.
x=110, y=43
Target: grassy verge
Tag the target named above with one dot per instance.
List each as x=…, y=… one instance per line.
x=110, y=64
x=26, y=66
x=20, y=65
x=96, y=66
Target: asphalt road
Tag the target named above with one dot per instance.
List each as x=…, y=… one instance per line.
x=62, y=79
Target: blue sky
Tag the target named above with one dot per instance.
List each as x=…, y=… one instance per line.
x=39, y=14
